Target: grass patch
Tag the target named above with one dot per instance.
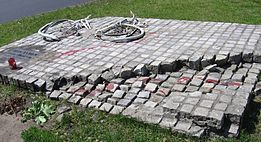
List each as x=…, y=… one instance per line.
x=239, y=11
x=34, y=134
x=92, y=125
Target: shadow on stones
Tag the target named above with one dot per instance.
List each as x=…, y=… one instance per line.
x=251, y=118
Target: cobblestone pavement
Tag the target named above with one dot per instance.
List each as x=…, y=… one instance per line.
x=193, y=77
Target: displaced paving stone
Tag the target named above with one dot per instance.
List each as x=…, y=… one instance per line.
x=206, y=87
x=111, y=87
x=94, y=94
x=74, y=99
x=124, y=88
x=167, y=85
x=170, y=106
x=200, y=112
x=94, y=79
x=141, y=69
x=106, y=107
x=137, y=84
x=144, y=94
x=39, y=85
x=154, y=66
x=99, y=87
x=130, y=110
x=206, y=103
x=217, y=119
x=118, y=94
x=221, y=60
x=182, y=126
x=55, y=94
x=108, y=76
x=118, y=81
x=126, y=73
x=163, y=92
x=130, y=80
x=73, y=89
x=184, y=80
x=186, y=110
x=151, y=104
x=85, y=101
x=195, y=62
x=151, y=87
x=196, y=82
x=179, y=87
x=233, y=130
x=104, y=96
x=235, y=113
x=168, y=122
x=95, y=104
x=112, y=101
x=134, y=90
x=191, y=89
x=130, y=96
x=117, y=110
x=63, y=109
x=176, y=74
x=197, y=131
x=65, y=96
x=139, y=101
x=124, y=102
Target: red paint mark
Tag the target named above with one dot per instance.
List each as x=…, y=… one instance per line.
x=93, y=93
x=183, y=79
x=211, y=81
x=234, y=84
x=81, y=90
x=71, y=52
x=110, y=86
x=12, y=63
x=164, y=93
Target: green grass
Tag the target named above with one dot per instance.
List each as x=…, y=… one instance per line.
x=34, y=134
x=91, y=125
x=240, y=11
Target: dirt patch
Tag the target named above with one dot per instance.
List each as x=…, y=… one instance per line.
x=11, y=128
x=12, y=105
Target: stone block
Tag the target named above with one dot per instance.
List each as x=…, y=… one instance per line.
x=106, y=107
x=144, y=94
x=111, y=87
x=178, y=87
x=85, y=102
x=74, y=99
x=163, y=91
x=126, y=73
x=154, y=66
x=94, y=104
x=141, y=69
x=151, y=87
x=65, y=96
x=137, y=84
x=182, y=126
x=168, y=122
x=124, y=102
x=117, y=110
x=55, y=94
x=206, y=103
x=118, y=94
